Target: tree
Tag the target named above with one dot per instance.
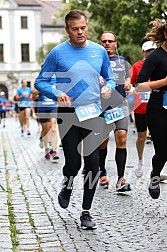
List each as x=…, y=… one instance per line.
x=43, y=51
x=128, y=19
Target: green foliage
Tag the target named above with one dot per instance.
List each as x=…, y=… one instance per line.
x=131, y=52
x=128, y=19
x=43, y=51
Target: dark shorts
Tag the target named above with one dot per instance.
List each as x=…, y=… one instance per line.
x=23, y=108
x=140, y=121
x=3, y=114
x=46, y=115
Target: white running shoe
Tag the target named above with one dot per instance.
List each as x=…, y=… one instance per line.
x=139, y=170
x=163, y=177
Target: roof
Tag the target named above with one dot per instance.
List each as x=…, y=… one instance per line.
x=27, y=2
x=49, y=8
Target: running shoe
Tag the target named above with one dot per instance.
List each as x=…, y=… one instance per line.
x=64, y=196
x=47, y=154
x=139, y=170
x=54, y=156
x=154, y=188
x=104, y=182
x=28, y=133
x=22, y=133
x=41, y=143
x=122, y=185
x=163, y=177
x=148, y=140
x=87, y=222
x=60, y=145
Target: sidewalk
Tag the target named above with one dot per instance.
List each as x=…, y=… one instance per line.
x=32, y=220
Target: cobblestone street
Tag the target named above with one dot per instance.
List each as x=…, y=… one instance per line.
x=32, y=220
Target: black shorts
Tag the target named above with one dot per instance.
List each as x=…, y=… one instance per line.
x=46, y=115
x=23, y=108
x=140, y=121
x=3, y=114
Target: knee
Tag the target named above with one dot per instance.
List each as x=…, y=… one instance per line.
x=121, y=141
x=53, y=129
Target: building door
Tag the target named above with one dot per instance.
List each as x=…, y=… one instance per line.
x=4, y=89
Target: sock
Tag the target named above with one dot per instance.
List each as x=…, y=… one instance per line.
x=157, y=166
x=120, y=159
x=102, y=158
x=141, y=161
x=47, y=150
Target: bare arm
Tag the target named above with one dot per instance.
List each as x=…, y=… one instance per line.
x=151, y=85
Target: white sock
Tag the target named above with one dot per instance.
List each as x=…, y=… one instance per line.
x=141, y=161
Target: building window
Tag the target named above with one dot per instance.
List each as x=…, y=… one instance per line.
x=1, y=53
x=25, y=53
x=24, y=23
x=0, y=22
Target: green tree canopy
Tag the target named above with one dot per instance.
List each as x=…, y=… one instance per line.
x=43, y=51
x=129, y=19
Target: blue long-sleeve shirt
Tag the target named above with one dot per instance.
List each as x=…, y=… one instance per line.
x=77, y=71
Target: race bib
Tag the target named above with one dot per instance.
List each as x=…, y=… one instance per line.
x=165, y=99
x=113, y=115
x=24, y=104
x=87, y=112
x=145, y=96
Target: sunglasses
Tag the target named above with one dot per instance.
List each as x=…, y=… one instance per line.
x=109, y=41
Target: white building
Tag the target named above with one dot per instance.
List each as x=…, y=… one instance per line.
x=25, y=25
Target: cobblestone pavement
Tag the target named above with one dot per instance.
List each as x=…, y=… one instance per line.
x=31, y=219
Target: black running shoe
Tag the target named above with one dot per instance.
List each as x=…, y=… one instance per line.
x=148, y=140
x=86, y=221
x=64, y=197
x=154, y=188
x=28, y=133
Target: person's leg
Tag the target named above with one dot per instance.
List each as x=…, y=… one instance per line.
x=140, y=143
x=92, y=172
x=27, y=120
x=104, y=181
x=91, y=142
x=121, y=153
x=157, y=124
x=53, y=136
x=141, y=126
x=102, y=157
x=72, y=165
x=45, y=137
x=22, y=120
x=3, y=118
x=91, y=177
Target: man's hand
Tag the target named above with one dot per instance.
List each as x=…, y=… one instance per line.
x=101, y=81
x=105, y=92
x=127, y=85
x=64, y=100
